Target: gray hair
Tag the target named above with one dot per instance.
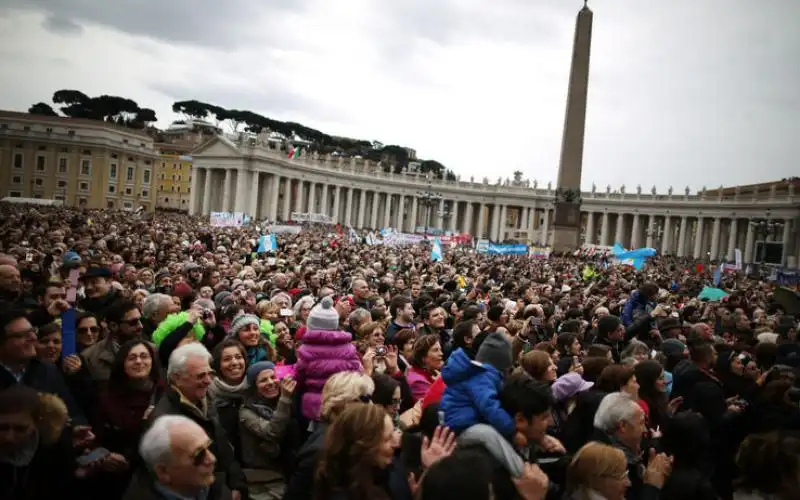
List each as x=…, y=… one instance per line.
x=635, y=347
x=155, y=446
x=308, y=299
x=181, y=355
x=206, y=304
x=358, y=315
x=152, y=303
x=614, y=409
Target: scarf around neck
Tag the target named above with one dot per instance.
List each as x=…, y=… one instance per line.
x=223, y=394
x=264, y=408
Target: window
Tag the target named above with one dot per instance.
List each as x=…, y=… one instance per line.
x=61, y=184
x=128, y=191
x=146, y=176
x=86, y=152
x=82, y=202
x=163, y=176
x=162, y=164
x=83, y=186
x=15, y=194
x=71, y=133
x=114, y=155
x=49, y=130
x=64, y=150
x=42, y=148
x=112, y=189
x=16, y=179
x=86, y=167
x=179, y=189
x=173, y=189
x=166, y=200
x=129, y=174
x=112, y=171
x=147, y=162
x=109, y=203
x=17, y=160
x=39, y=182
x=145, y=193
x=63, y=165
x=41, y=162
x=127, y=205
x=130, y=158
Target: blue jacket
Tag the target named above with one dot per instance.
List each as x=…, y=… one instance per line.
x=471, y=396
x=635, y=304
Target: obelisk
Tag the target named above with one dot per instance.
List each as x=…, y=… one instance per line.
x=567, y=223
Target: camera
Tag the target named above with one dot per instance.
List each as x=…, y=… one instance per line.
x=380, y=351
x=206, y=313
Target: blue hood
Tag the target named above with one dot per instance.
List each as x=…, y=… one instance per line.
x=460, y=367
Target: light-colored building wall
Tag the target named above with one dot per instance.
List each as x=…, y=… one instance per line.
x=81, y=162
x=174, y=176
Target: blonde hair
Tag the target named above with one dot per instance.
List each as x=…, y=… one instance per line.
x=594, y=463
x=343, y=388
x=265, y=307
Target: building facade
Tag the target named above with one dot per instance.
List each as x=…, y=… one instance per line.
x=84, y=163
x=248, y=175
x=174, y=176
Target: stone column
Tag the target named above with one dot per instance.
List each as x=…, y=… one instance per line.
x=398, y=216
x=440, y=215
x=604, y=229
x=651, y=229
x=298, y=201
x=337, y=201
x=373, y=218
x=273, y=202
x=287, y=199
x=749, y=243
x=666, y=242
x=636, y=232
x=785, y=240
x=546, y=227
x=698, y=239
x=413, y=217
x=619, y=234
x=589, y=228
x=387, y=211
x=682, y=236
x=194, y=194
x=240, y=201
x=481, y=226
x=254, y=183
x=730, y=255
x=312, y=198
x=502, y=226
x=494, y=228
x=362, y=206
x=207, y=192
x=226, y=190
x=566, y=234
x=348, y=208
x=467, y=225
x=453, y=215
x=531, y=222
x=324, y=206
x=715, y=231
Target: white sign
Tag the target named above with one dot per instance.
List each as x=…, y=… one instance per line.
x=311, y=217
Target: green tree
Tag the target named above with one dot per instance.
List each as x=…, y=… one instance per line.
x=191, y=109
x=43, y=109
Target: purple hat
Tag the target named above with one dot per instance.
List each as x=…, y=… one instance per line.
x=569, y=385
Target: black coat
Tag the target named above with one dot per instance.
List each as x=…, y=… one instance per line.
x=49, y=475
x=227, y=470
x=45, y=377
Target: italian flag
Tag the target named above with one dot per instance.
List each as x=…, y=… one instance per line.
x=294, y=152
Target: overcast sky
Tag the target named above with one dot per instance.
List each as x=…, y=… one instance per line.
x=681, y=91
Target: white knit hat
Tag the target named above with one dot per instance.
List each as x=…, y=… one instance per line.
x=323, y=316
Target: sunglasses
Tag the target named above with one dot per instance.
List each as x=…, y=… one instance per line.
x=200, y=454
x=87, y=329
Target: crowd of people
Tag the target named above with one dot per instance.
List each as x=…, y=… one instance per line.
x=151, y=356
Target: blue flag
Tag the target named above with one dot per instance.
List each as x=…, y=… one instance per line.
x=267, y=243
x=718, y=276
x=436, y=250
x=68, y=323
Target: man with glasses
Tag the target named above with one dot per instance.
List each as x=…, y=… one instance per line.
x=179, y=460
x=124, y=323
x=189, y=375
x=19, y=364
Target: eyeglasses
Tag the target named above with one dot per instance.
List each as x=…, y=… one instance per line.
x=397, y=401
x=87, y=329
x=200, y=454
x=618, y=477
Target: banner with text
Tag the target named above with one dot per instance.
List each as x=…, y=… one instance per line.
x=311, y=217
x=227, y=219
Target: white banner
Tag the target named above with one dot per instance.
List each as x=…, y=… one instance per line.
x=227, y=219
x=278, y=229
x=738, y=258
x=311, y=217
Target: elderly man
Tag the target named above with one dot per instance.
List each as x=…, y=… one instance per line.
x=99, y=292
x=620, y=422
x=179, y=461
x=156, y=307
x=189, y=374
x=10, y=286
